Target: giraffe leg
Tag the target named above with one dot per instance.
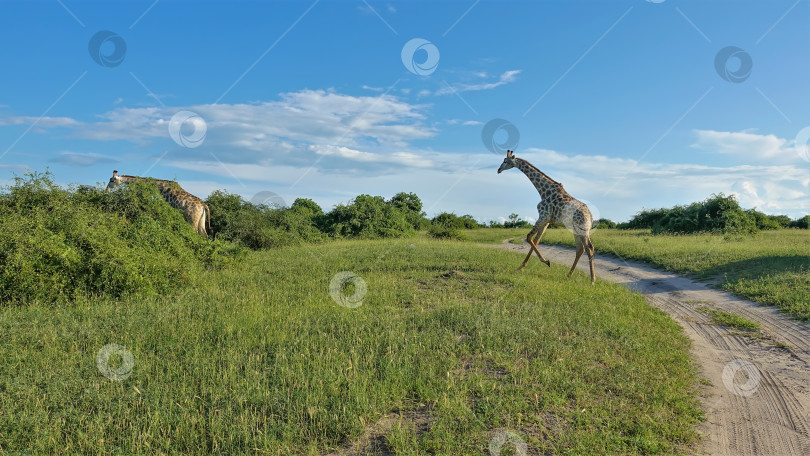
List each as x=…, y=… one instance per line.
x=580, y=248
x=589, y=250
x=533, y=243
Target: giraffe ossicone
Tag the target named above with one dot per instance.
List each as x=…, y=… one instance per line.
x=195, y=211
x=556, y=207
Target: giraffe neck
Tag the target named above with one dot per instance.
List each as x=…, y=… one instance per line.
x=171, y=191
x=546, y=186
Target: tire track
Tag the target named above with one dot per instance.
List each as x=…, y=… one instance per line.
x=758, y=399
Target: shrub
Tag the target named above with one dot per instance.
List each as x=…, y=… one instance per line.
x=410, y=205
x=764, y=221
x=58, y=244
x=645, y=219
x=445, y=232
x=803, y=223
x=603, y=223
x=261, y=226
x=451, y=220
x=719, y=213
x=368, y=217
x=514, y=221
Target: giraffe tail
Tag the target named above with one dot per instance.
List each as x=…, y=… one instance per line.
x=207, y=223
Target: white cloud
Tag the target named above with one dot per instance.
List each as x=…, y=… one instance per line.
x=269, y=132
x=82, y=159
x=747, y=145
x=407, y=159
x=463, y=122
x=505, y=78
x=311, y=115
x=42, y=122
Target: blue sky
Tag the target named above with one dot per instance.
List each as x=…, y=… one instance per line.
x=624, y=102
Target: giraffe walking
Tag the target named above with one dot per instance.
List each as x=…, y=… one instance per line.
x=194, y=209
x=558, y=207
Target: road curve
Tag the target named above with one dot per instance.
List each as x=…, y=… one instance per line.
x=757, y=401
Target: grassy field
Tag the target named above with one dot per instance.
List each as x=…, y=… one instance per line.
x=259, y=359
x=771, y=268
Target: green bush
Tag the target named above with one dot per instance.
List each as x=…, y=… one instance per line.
x=514, y=221
x=368, y=217
x=445, y=232
x=767, y=222
x=604, y=223
x=802, y=223
x=261, y=226
x=411, y=206
x=719, y=213
x=645, y=219
x=58, y=244
x=451, y=220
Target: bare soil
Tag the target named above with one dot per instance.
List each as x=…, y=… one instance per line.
x=756, y=388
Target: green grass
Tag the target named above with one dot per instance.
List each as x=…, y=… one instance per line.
x=730, y=320
x=258, y=359
x=771, y=268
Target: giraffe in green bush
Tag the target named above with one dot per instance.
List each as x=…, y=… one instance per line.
x=194, y=209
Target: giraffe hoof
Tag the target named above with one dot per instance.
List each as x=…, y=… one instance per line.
x=548, y=263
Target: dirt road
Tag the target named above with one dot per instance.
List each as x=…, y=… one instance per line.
x=758, y=399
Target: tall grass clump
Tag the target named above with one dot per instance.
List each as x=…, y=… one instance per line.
x=57, y=244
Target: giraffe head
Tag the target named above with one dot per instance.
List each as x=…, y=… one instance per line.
x=508, y=162
x=115, y=181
